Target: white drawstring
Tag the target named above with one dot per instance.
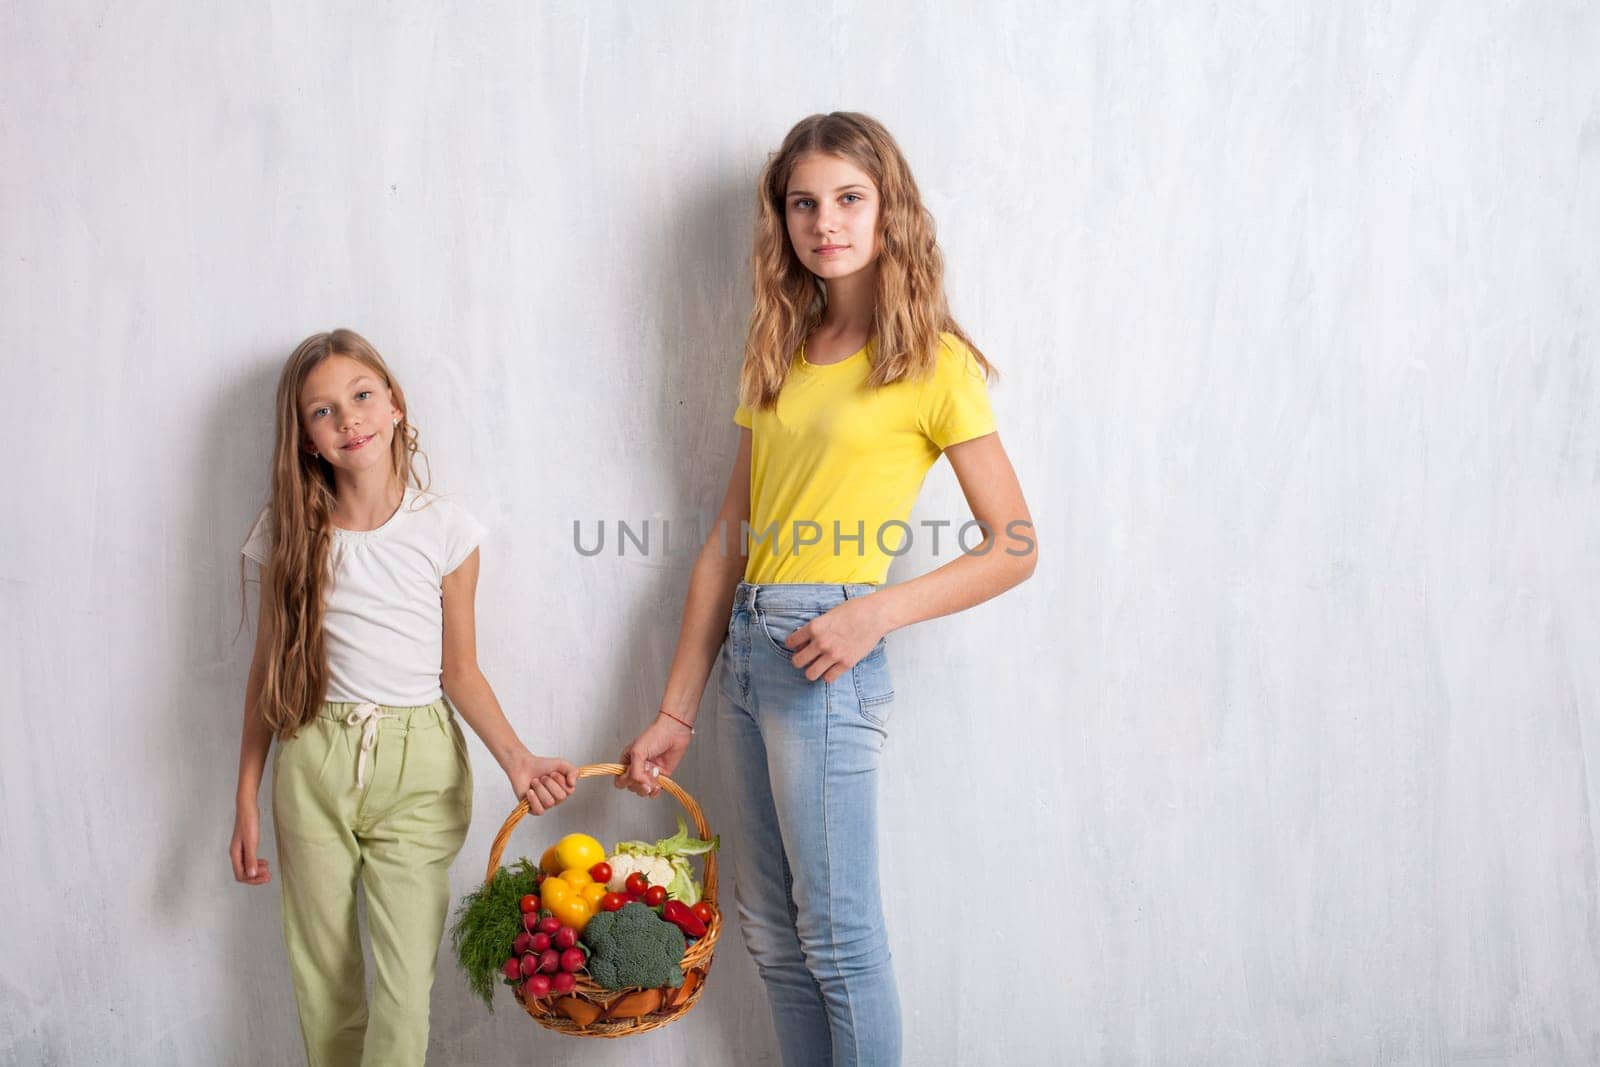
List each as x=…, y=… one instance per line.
x=366, y=715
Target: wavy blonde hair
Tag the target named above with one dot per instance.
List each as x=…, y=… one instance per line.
x=295, y=579
x=910, y=311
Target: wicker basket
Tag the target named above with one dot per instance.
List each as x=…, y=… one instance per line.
x=557, y=1013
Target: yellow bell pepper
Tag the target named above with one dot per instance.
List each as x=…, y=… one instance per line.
x=573, y=911
x=553, y=891
x=576, y=877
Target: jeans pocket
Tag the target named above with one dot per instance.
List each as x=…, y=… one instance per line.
x=776, y=626
x=874, y=686
x=727, y=685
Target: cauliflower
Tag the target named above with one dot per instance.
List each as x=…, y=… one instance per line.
x=665, y=863
x=658, y=869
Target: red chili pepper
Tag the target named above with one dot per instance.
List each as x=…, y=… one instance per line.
x=678, y=914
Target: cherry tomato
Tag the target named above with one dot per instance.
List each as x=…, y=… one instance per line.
x=530, y=903
x=655, y=896
x=637, y=883
x=703, y=912
x=613, y=902
x=600, y=872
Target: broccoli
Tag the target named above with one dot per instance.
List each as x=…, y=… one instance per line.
x=634, y=947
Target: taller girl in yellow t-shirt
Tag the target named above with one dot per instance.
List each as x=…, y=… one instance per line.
x=855, y=380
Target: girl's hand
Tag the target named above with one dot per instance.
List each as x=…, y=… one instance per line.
x=242, y=849
x=655, y=751
x=835, y=641
x=543, y=781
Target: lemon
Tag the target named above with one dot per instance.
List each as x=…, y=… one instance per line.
x=580, y=851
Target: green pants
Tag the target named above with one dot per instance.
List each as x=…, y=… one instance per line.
x=381, y=796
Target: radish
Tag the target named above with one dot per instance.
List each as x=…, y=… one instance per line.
x=530, y=965
x=513, y=968
x=520, y=946
x=539, y=942
x=536, y=987
x=563, y=983
x=548, y=925
x=573, y=959
x=565, y=938
x=549, y=961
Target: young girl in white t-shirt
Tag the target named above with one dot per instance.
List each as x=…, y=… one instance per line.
x=366, y=626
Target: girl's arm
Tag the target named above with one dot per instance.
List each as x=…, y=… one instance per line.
x=254, y=744
x=716, y=573
x=831, y=644
x=544, y=781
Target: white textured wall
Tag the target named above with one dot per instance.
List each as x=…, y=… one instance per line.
x=1283, y=757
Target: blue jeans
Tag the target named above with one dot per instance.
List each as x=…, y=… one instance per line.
x=801, y=759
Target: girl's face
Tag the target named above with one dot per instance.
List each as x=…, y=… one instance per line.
x=831, y=209
x=347, y=414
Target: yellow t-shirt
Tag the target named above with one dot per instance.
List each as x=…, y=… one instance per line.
x=836, y=465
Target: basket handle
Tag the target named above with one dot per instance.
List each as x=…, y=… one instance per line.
x=611, y=770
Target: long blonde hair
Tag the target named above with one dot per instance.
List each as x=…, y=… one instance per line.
x=910, y=311
x=295, y=580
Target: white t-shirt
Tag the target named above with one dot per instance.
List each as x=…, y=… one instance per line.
x=384, y=619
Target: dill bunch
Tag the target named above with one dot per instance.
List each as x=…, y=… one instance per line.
x=488, y=921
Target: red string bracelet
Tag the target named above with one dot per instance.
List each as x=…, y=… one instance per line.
x=674, y=718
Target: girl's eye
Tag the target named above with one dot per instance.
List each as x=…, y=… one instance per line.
x=319, y=412
x=363, y=394
x=851, y=198
x=802, y=204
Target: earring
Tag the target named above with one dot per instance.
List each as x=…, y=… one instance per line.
x=396, y=422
